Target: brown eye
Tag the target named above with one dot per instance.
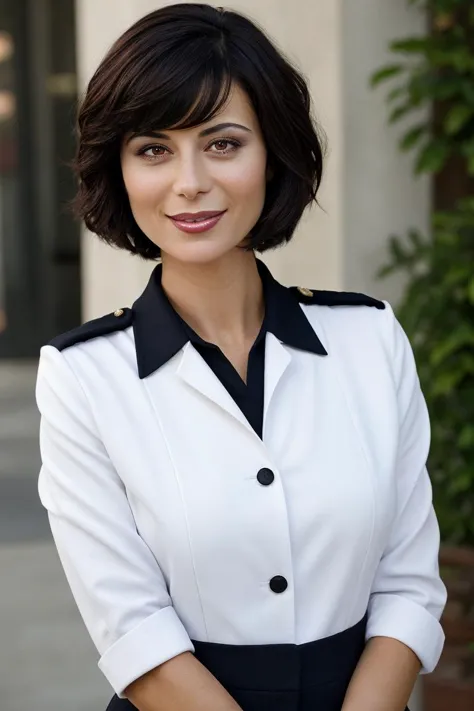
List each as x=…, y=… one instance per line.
x=224, y=145
x=154, y=151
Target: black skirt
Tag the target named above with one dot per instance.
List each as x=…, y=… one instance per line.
x=282, y=677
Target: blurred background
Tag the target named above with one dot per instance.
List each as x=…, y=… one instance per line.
x=393, y=86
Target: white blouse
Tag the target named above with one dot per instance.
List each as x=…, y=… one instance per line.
x=167, y=536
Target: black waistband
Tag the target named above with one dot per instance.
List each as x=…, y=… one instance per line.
x=285, y=667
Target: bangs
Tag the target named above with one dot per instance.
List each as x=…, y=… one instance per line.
x=179, y=94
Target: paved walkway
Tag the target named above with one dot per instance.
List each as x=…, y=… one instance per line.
x=47, y=661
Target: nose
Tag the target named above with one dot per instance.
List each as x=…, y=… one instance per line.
x=191, y=177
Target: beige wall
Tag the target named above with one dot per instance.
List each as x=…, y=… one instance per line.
x=367, y=189
x=380, y=194
x=110, y=278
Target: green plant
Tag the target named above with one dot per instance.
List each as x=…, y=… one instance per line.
x=436, y=67
x=437, y=309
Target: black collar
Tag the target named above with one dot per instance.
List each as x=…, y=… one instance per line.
x=160, y=333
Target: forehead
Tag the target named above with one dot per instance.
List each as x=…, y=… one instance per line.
x=238, y=102
x=237, y=109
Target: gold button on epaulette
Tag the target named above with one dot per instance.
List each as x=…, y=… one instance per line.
x=306, y=292
x=119, y=312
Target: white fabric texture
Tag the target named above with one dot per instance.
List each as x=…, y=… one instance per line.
x=166, y=535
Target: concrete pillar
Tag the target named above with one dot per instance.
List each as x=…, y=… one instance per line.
x=381, y=196
x=110, y=278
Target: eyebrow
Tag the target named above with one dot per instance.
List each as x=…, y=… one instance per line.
x=206, y=132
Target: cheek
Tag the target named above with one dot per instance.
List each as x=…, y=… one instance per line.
x=247, y=182
x=142, y=184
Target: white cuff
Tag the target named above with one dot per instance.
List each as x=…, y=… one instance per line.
x=398, y=617
x=158, y=638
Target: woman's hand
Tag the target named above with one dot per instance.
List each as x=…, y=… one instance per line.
x=384, y=677
x=180, y=684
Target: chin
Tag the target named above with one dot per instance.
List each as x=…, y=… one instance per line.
x=200, y=253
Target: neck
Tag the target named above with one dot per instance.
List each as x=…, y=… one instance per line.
x=222, y=301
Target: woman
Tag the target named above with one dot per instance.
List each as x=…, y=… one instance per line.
x=234, y=471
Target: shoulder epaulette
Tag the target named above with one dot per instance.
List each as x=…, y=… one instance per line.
x=116, y=321
x=335, y=298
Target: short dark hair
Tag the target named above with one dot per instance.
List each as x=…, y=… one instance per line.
x=175, y=68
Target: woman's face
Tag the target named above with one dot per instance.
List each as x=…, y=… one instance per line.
x=207, y=168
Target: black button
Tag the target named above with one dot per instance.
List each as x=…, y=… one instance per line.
x=278, y=584
x=265, y=476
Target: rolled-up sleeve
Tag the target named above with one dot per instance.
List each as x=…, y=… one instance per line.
x=116, y=582
x=408, y=596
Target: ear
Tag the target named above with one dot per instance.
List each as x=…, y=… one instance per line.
x=269, y=173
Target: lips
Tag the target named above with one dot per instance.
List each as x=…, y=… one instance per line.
x=196, y=216
x=195, y=223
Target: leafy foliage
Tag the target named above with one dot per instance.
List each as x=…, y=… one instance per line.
x=437, y=309
x=438, y=66
x=437, y=312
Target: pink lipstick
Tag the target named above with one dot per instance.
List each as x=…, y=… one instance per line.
x=196, y=222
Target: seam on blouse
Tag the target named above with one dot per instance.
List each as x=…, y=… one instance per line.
x=370, y=475
x=391, y=340
x=89, y=404
x=416, y=392
x=175, y=469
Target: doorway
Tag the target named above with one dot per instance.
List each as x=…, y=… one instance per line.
x=39, y=240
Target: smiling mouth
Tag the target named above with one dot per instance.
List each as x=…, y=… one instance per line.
x=196, y=217
x=197, y=224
